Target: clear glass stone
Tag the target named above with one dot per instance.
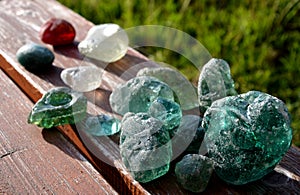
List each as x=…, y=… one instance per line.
x=105, y=42
x=82, y=78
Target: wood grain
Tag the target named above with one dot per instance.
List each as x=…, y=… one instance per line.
x=35, y=161
x=25, y=17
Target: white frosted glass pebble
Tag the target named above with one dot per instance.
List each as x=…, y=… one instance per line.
x=82, y=78
x=105, y=42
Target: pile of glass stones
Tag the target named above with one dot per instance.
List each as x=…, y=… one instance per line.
x=245, y=135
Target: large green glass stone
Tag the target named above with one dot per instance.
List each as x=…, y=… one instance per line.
x=137, y=94
x=184, y=90
x=168, y=112
x=100, y=125
x=194, y=171
x=145, y=146
x=214, y=83
x=58, y=106
x=247, y=135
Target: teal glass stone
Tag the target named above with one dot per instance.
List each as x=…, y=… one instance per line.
x=195, y=144
x=246, y=135
x=194, y=171
x=188, y=137
x=137, y=94
x=35, y=57
x=145, y=146
x=167, y=111
x=214, y=83
x=100, y=125
x=58, y=106
x=185, y=91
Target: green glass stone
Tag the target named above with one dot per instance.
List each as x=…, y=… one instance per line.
x=247, y=135
x=145, y=146
x=100, y=125
x=137, y=94
x=193, y=172
x=184, y=90
x=58, y=106
x=189, y=136
x=168, y=112
x=198, y=137
x=35, y=57
x=214, y=83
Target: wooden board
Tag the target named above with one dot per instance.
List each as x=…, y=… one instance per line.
x=26, y=17
x=35, y=161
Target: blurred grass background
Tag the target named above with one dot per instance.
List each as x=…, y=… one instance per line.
x=259, y=39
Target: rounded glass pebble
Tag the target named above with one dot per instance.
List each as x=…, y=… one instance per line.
x=100, y=125
x=105, y=42
x=82, y=78
x=57, y=32
x=246, y=135
x=194, y=171
x=35, y=57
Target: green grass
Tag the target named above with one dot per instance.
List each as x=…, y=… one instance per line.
x=259, y=39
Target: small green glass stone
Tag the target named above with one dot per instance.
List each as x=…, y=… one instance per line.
x=145, y=146
x=184, y=90
x=100, y=125
x=137, y=94
x=168, y=112
x=214, y=83
x=246, y=135
x=58, y=106
x=193, y=172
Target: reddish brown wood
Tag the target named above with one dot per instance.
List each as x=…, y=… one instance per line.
x=35, y=161
x=25, y=17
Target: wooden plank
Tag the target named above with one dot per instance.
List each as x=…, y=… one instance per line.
x=26, y=17
x=35, y=161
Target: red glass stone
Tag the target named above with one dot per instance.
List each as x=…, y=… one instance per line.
x=57, y=32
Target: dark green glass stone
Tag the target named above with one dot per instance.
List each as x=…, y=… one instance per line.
x=58, y=106
x=184, y=90
x=247, y=135
x=168, y=112
x=198, y=136
x=189, y=136
x=214, y=83
x=35, y=57
x=137, y=94
x=145, y=146
x=100, y=125
x=193, y=172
